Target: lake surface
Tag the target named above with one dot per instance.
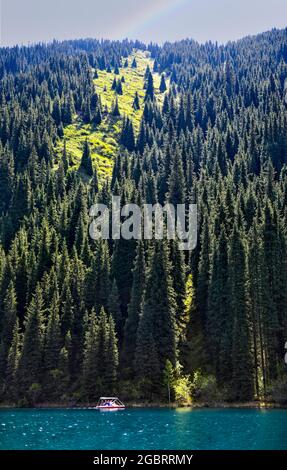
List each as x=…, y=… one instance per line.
x=148, y=428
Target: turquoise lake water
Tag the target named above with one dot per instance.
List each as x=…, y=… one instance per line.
x=143, y=429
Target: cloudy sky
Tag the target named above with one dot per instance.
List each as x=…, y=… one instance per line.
x=28, y=21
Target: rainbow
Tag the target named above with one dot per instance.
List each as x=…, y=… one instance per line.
x=146, y=15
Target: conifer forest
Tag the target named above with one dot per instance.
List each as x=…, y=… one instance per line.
x=186, y=123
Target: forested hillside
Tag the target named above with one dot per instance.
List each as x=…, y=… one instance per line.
x=83, y=120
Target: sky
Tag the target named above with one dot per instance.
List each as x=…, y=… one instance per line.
x=30, y=21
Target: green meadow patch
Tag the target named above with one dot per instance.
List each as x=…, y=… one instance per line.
x=104, y=138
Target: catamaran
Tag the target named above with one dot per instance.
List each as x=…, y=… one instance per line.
x=110, y=403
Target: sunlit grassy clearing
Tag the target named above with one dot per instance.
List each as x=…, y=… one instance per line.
x=105, y=137
x=134, y=82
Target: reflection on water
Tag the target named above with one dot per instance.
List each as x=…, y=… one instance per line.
x=181, y=428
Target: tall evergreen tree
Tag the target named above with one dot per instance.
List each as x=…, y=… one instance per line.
x=162, y=86
x=30, y=368
x=116, y=109
x=149, y=95
x=242, y=370
x=159, y=309
x=11, y=382
x=90, y=366
x=135, y=306
x=86, y=162
x=8, y=326
x=136, y=102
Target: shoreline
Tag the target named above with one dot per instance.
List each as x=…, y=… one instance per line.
x=219, y=405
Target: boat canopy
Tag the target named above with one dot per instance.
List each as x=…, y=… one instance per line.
x=108, y=398
x=110, y=402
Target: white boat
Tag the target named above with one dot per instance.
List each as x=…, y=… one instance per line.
x=110, y=403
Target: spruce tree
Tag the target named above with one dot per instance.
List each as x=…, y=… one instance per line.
x=159, y=309
x=242, y=368
x=114, y=309
x=116, y=71
x=103, y=351
x=119, y=88
x=86, y=162
x=90, y=365
x=53, y=337
x=135, y=306
x=146, y=362
x=219, y=315
x=30, y=369
x=11, y=380
x=98, y=116
x=114, y=84
x=136, y=102
x=176, y=181
x=111, y=371
x=116, y=109
x=8, y=326
x=149, y=88
x=178, y=275
x=162, y=86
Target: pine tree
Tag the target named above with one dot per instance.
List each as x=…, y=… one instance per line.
x=103, y=351
x=146, y=362
x=86, y=162
x=147, y=72
x=111, y=371
x=68, y=110
x=257, y=287
x=67, y=308
x=114, y=84
x=65, y=158
x=162, y=86
x=271, y=243
x=176, y=182
x=135, y=306
x=117, y=72
x=116, y=109
x=7, y=180
x=121, y=269
x=98, y=116
x=8, y=326
x=203, y=275
x=114, y=309
x=56, y=113
x=119, y=88
x=95, y=184
x=136, y=102
x=159, y=309
x=168, y=376
x=91, y=359
x=103, y=285
x=11, y=383
x=127, y=138
x=86, y=112
x=242, y=370
x=30, y=369
x=219, y=316
x=52, y=345
x=149, y=88
x=178, y=274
